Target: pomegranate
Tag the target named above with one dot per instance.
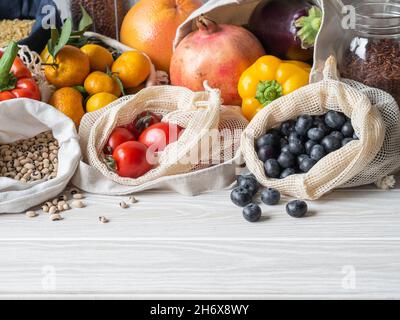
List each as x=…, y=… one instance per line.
x=216, y=53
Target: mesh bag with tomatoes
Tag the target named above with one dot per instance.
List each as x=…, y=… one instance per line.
x=22, y=76
x=197, y=153
x=374, y=116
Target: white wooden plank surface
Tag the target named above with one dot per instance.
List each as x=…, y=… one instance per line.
x=169, y=246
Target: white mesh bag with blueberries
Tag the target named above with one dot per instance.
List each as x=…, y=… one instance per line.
x=330, y=134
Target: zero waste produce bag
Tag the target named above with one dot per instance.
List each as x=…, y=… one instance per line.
x=376, y=120
x=23, y=119
x=199, y=113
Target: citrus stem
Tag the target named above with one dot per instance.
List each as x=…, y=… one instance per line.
x=268, y=91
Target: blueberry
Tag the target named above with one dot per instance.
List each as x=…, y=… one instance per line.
x=303, y=124
x=268, y=139
x=286, y=160
x=338, y=135
x=355, y=136
x=283, y=142
x=309, y=144
x=296, y=147
x=245, y=177
x=307, y=164
x=275, y=132
x=296, y=136
x=331, y=144
x=316, y=134
x=346, y=141
x=317, y=152
x=270, y=196
x=317, y=120
x=296, y=208
x=241, y=196
x=335, y=120
x=272, y=168
x=301, y=157
x=347, y=130
x=287, y=172
x=267, y=152
x=324, y=127
x=249, y=183
x=287, y=127
x=285, y=149
x=252, y=212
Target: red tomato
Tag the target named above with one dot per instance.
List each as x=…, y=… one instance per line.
x=24, y=86
x=159, y=135
x=131, y=159
x=143, y=121
x=118, y=137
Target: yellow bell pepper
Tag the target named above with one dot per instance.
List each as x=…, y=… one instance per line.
x=268, y=79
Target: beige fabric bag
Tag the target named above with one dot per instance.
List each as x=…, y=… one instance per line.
x=375, y=118
x=24, y=119
x=199, y=113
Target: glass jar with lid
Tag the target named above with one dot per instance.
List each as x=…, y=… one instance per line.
x=371, y=52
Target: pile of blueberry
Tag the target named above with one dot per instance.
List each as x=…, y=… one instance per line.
x=248, y=187
x=299, y=144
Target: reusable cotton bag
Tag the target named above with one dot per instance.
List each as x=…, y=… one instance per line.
x=376, y=120
x=202, y=116
x=23, y=119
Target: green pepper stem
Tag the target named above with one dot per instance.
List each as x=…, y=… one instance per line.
x=7, y=79
x=309, y=27
x=268, y=91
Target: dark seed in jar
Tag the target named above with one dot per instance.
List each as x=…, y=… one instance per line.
x=377, y=66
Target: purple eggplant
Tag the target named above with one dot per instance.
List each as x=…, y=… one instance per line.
x=287, y=28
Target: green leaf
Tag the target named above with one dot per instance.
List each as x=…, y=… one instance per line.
x=53, y=41
x=120, y=84
x=116, y=78
x=64, y=36
x=86, y=21
x=81, y=89
x=58, y=41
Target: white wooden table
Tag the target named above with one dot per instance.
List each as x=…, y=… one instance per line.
x=169, y=246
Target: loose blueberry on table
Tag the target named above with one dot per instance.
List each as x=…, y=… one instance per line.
x=241, y=196
x=252, y=212
x=297, y=145
x=270, y=196
x=296, y=208
x=249, y=183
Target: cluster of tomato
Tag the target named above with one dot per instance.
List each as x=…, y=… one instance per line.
x=131, y=150
x=16, y=80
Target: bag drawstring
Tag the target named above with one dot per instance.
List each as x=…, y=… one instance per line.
x=213, y=99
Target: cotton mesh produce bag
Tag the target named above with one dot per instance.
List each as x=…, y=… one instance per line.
x=33, y=62
x=374, y=115
x=200, y=113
